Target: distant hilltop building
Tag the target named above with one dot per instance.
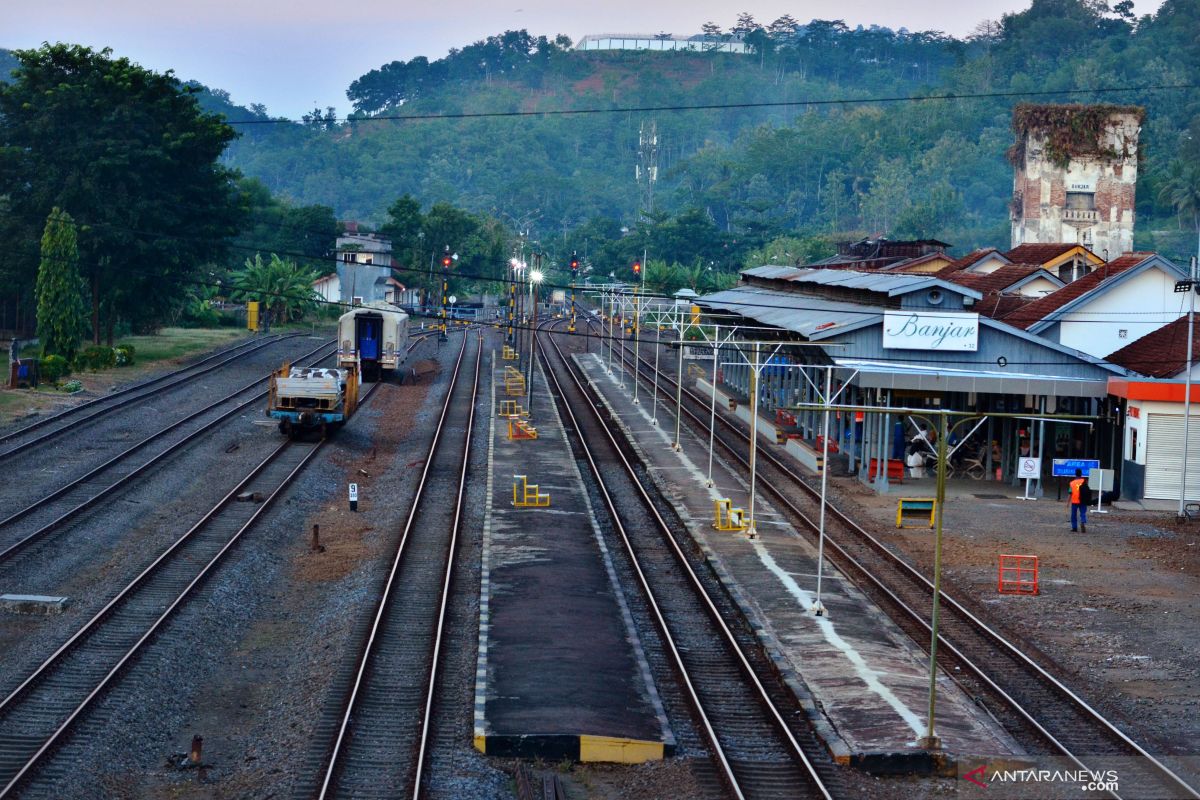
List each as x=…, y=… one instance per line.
x=1076, y=169
x=661, y=41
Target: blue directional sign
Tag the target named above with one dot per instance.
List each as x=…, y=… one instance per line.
x=1065, y=467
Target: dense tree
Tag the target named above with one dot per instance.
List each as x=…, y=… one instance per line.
x=135, y=159
x=755, y=174
x=61, y=310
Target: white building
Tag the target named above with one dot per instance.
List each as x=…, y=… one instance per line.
x=663, y=42
x=364, y=266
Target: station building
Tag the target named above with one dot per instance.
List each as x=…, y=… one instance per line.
x=913, y=340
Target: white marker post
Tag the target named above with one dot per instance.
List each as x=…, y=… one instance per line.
x=354, y=497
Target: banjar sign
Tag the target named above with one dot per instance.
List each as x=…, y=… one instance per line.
x=930, y=330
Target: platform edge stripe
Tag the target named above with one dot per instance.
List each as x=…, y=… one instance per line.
x=613, y=750
x=481, y=647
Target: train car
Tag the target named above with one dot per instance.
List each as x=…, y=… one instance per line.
x=373, y=338
x=312, y=398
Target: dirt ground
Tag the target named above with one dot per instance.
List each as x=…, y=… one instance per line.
x=1117, y=608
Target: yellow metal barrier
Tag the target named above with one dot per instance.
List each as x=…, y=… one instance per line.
x=526, y=495
x=728, y=518
x=910, y=510
x=508, y=354
x=520, y=429
x=511, y=408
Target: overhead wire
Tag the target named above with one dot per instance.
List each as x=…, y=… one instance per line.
x=682, y=107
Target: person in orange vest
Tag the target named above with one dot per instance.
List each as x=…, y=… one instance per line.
x=1079, y=501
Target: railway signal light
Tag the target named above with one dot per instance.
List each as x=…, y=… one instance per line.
x=574, y=262
x=637, y=268
x=446, y=261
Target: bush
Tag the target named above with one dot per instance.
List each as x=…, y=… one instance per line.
x=96, y=357
x=124, y=354
x=71, y=387
x=54, y=368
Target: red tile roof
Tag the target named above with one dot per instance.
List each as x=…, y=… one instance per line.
x=969, y=260
x=1039, y=253
x=998, y=305
x=1048, y=304
x=996, y=281
x=1161, y=354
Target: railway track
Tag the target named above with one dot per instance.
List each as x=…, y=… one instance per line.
x=40, y=713
x=63, y=504
x=72, y=418
x=380, y=735
x=1001, y=674
x=759, y=743
x=52, y=511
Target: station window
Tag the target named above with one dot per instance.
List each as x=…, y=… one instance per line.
x=1081, y=201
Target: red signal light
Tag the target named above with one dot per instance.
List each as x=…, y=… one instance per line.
x=637, y=268
x=446, y=261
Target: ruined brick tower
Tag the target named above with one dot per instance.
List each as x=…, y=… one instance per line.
x=1076, y=169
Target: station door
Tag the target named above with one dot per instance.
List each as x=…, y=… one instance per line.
x=1164, y=456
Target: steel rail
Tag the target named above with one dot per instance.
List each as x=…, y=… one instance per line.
x=11, y=550
x=122, y=600
x=725, y=633
x=127, y=595
x=182, y=379
x=333, y=767
x=994, y=637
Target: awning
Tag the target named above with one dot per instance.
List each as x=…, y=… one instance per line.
x=894, y=375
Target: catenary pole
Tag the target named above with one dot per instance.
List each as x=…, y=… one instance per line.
x=817, y=607
x=1187, y=390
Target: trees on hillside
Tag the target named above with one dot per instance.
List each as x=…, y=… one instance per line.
x=61, y=311
x=130, y=153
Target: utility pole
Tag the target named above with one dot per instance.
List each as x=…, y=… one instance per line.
x=1187, y=381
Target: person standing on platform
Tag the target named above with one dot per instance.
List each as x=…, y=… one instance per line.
x=1079, y=501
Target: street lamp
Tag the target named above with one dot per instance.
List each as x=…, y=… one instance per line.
x=536, y=276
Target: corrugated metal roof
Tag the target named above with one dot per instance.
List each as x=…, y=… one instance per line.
x=813, y=317
x=889, y=283
x=894, y=375
x=772, y=272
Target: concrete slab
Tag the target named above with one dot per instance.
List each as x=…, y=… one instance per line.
x=561, y=671
x=863, y=682
x=32, y=604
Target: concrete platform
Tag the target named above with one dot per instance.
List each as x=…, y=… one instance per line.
x=561, y=672
x=864, y=684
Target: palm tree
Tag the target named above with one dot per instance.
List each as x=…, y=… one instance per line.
x=1181, y=189
x=283, y=289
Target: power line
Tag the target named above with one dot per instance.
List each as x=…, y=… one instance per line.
x=844, y=101
x=1107, y=318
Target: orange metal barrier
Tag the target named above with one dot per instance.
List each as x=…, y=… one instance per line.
x=1018, y=575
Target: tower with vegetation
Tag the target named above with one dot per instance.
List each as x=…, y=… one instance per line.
x=1076, y=170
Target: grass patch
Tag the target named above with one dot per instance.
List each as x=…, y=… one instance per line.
x=174, y=343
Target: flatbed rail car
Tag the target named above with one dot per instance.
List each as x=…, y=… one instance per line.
x=312, y=398
x=373, y=338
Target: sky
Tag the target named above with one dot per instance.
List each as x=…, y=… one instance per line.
x=293, y=54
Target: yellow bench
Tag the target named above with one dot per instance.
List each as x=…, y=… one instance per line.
x=728, y=518
x=526, y=495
